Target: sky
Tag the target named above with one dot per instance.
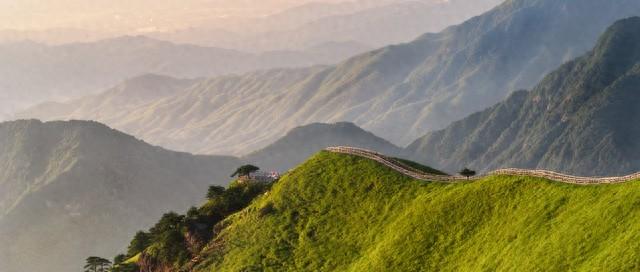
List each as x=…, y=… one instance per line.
x=117, y=15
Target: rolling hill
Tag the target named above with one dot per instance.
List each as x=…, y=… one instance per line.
x=72, y=189
x=398, y=92
x=580, y=119
x=302, y=142
x=339, y=212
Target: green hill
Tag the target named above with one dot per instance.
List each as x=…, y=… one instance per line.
x=339, y=212
x=344, y=213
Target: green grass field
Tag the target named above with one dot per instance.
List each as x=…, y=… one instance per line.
x=133, y=259
x=344, y=213
x=420, y=167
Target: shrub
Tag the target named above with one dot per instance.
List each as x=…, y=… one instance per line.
x=267, y=210
x=140, y=242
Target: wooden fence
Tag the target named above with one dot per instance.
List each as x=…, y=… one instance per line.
x=417, y=174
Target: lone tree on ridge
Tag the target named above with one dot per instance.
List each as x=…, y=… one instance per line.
x=97, y=264
x=467, y=173
x=245, y=170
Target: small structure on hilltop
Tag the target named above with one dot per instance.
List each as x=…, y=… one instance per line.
x=252, y=173
x=261, y=176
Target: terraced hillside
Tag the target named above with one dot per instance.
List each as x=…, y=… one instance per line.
x=339, y=212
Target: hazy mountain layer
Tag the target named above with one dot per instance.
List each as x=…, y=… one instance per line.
x=208, y=107
x=118, y=101
x=302, y=142
x=73, y=189
x=304, y=24
x=366, y=22
x=399, y=92
x=582, y=119
x=31, y=73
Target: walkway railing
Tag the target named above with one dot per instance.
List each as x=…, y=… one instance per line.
x=417, y=174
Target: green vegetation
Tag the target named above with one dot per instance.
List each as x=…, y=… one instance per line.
x=122, y=182
x=122, y=264
x=175, y=239
x=344, y=213
x=140, y=242
x=418, y=166
x=578, y=120
x=97, y=264
x=245, y=170
x=133, y=259
x=215, y=191
x=467, y=173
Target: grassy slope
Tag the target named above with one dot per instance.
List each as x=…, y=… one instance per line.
x=343, y=213
x=420, y=167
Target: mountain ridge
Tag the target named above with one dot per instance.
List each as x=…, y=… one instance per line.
x=83, y=188
x=572, y=121
x=302, y=142
x=61, y=72
x=398, y=92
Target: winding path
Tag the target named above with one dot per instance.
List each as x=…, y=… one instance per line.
x=417, y=174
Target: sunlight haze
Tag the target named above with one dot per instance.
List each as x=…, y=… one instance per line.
x=114, y=15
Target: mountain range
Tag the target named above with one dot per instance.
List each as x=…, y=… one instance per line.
x=68, y=189
x=304, y=24
x=317, y=23
x=553, y=84
x=399, y=92
x=56, y=73
x=311, y=34
x=580, y=119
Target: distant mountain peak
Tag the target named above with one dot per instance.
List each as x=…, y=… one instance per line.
x=580, y=119
x=621, y=43
x=301, y=142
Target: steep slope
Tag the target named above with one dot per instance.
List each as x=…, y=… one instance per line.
x=580, y=119
x=344, y=213
x=399, y=92
x=302, y=142
x=72, y=189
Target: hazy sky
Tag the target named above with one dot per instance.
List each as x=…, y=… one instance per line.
x=127, y=14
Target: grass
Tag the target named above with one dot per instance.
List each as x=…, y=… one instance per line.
x=423, y=168
x=344, y=213
x=133, y=259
